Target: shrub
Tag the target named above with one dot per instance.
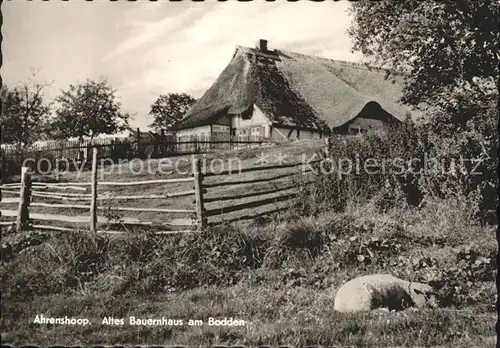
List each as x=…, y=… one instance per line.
x=299, y=239
x=346, y=175
x=19, y=243
x=68, y=261
x=459, y=285
x=214, y=257
x=453, y=153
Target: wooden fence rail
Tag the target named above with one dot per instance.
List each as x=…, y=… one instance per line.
x=250, y=181
x=251, y=216
x=253, y=204
x=76, y=185
x=259, y=168
x=87, y=219
x=247, y=195
x=87, y=207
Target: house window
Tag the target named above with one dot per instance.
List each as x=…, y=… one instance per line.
x=202, y=136
x=242, y=134
x=255, y=133
x=356, y=130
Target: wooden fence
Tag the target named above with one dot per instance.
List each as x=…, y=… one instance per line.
x=268, y=198
x=29, y=191
x=266, y=193
x=71, y=155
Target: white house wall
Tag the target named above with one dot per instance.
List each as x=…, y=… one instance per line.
x=305, y=134
x=279, y=134
x=220, y=133
x=201, y=133
x=194, y=131
x=258, y=119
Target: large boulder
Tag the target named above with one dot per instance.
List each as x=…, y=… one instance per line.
x=382, y=291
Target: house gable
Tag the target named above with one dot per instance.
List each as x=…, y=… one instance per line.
x=257, y=118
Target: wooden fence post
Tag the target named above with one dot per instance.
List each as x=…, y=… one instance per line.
x=198, y=191
x=112, y=149
x=138, y=137
x=327, y=147
x=161, y=146
x=93, y=204
x=24, y=199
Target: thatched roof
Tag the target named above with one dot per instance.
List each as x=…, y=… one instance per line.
x=296, y=89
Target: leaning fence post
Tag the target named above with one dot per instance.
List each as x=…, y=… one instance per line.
x=93, y=204
x=198, y=191
x=24, y=199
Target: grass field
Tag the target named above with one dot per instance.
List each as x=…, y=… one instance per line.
x=279, y=276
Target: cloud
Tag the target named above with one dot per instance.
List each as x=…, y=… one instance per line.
x=143, y=32
x=185, y=50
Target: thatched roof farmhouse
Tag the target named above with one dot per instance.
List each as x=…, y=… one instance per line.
x=284, y=95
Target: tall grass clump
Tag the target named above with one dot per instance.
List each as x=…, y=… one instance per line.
x=156, y=264
x=64, y=263
x=298, y=240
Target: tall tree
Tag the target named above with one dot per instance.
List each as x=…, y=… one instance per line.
x=445, y=46
x=450, y=51
x=89, y=109
x=24, y=112
x=169, y=108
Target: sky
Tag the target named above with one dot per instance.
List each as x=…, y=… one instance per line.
x=145, y=49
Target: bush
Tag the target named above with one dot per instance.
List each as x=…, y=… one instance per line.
x=453, y=154
x=459, y=285
x=20, y=243
x=68, y=261
x=346, y=175
x=297, y=240
x=10, y=168
x=214, y=257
